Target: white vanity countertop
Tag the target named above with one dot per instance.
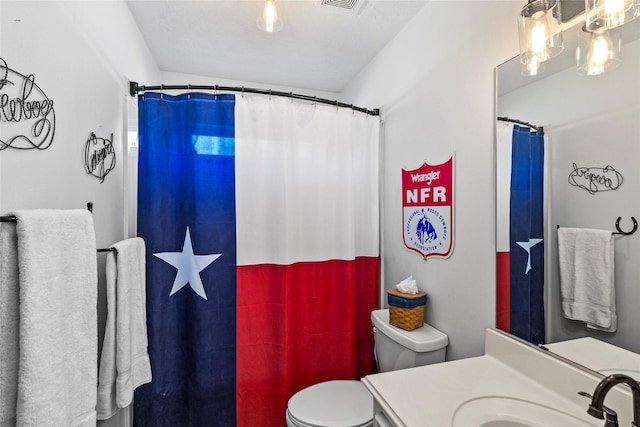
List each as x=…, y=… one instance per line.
x=428, y=396
x=599, y=356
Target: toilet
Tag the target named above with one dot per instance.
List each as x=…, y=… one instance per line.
x=347, y=403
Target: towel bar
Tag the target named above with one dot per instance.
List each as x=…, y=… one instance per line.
x=624, y=233
x=114, y=250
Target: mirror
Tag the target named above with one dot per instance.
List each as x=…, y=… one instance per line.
x=591, y=171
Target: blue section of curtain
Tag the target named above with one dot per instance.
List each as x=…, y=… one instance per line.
x=526, y=234
x=186, y=215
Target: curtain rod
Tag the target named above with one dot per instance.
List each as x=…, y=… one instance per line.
x=135, y=89
x=520, y=122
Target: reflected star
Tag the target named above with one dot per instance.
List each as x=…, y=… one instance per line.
x=189, y=266
x=527, y=247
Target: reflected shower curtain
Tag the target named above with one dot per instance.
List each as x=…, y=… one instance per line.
x=261, y=223
x=520, y=246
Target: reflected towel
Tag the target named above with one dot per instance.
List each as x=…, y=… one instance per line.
x=57, y=372
x=124, y=363
x=586, y=259
x=9, y=317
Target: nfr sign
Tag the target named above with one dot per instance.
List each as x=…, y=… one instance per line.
x=427, y=209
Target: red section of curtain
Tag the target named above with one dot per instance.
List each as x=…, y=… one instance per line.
x=503, y=302
x=298, y=325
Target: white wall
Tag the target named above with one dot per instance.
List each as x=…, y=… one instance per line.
x=62, y=44
x=81, y=54
x=435, y=81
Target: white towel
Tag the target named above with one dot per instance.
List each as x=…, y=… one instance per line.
x=587, y=285
x=9, y=317
x=58, y=368
x=124, y=363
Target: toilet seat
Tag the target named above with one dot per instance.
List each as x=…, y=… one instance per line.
x=338, y=403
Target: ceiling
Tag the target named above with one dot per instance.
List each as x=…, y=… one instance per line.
x=323, y=43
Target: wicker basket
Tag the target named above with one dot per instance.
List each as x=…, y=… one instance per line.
x=406, y=311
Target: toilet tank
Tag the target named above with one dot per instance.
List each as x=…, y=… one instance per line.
x=397, y=349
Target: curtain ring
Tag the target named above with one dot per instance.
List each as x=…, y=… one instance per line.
x=315, y=101
x=161, y=91
x=291, y=97
x=269, y=94
x=243, y=91
x=188, y=91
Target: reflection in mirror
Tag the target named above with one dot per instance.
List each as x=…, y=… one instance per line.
x=590, y=178
x=598, y=356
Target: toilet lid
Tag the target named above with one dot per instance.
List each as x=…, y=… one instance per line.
x=333, y=404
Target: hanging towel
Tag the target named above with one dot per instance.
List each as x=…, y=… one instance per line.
x=8, y=323
x=124, y=363
x=586, y=260
x=58, y=367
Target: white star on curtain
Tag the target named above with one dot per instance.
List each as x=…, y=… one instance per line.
x=527, y=247
x=189, y=266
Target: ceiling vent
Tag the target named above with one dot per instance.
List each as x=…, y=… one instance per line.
x=350, y=6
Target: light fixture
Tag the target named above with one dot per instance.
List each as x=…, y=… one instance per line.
x=269, y=20
x=608, y=14
x=539, y=31
x=599, y=51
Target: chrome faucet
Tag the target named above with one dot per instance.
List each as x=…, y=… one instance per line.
x=597, y=408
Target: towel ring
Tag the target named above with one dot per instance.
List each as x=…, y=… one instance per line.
x=626, y=233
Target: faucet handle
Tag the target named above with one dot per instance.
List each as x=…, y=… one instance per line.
x=594, y=412
x=610, y=416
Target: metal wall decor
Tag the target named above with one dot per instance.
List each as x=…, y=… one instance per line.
x=25, y=112
x=594, y=179
x=626, y=233
x=99, y=156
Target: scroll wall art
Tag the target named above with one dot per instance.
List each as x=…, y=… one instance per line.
x=26, y=113
x=427, y=209
x=99, y=156
x=594, y=179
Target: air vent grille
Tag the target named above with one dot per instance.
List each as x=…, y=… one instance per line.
x=352, y=6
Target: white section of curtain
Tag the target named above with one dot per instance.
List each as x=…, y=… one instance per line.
x=504, y=135
x=307, y=182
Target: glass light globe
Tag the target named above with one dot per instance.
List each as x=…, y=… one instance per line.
x=608, y=14
x=598, y=52
x=539, y=31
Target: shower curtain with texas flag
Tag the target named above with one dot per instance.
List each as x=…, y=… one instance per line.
x=519, y=241
x=261, y=223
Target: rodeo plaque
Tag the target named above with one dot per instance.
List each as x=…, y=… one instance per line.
x=427, y=209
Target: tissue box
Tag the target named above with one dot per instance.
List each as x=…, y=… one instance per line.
x=406, y=311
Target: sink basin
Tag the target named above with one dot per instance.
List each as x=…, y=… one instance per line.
x=503, y=411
